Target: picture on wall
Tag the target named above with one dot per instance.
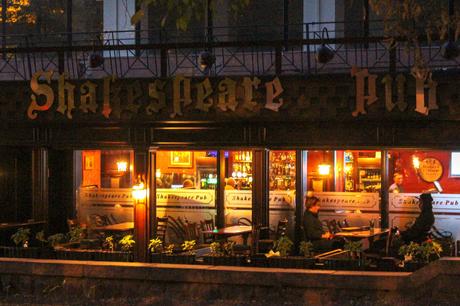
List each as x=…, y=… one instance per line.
x=181, y=159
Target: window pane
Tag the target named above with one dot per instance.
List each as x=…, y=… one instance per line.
x=282, y=189
x=186, y=192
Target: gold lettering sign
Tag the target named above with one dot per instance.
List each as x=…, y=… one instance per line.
x=156, y=92
x=227, y=95
x=361, y=76
x=65, y=107
x=430, y=169
x=400, y=83
x=39, y=89
x=204, y=92
x=423, y=81
x=88, y=97
x=106, y=108
x=181, y=93
x=248, y=86
x=274, y=90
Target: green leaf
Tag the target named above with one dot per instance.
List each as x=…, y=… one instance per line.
x=137, y=17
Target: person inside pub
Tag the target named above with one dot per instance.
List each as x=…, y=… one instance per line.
x=321, y=240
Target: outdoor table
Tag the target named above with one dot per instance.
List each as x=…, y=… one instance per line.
x=363, y=234
x=118, y=227
x=235, y=230
x=12, y=225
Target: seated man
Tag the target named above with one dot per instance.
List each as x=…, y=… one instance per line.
x=322, y=241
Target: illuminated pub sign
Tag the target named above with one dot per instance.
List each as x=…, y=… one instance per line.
x=181, y=96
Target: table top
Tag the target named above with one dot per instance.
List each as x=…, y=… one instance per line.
x=118, y=227
x=231, y=230
x=8, y=225
x=363, y=233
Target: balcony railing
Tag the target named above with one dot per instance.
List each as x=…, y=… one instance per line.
x=272, y=50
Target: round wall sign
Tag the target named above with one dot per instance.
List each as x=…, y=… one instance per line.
x=430, y=169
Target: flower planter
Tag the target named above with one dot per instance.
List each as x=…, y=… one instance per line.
x=112, y=256
x=258, y=261
x=156, y=257
x=343, y=264
x=178, y=259
x=295, y=262
x=412, y=266
x=19, y=252
x=224, y=260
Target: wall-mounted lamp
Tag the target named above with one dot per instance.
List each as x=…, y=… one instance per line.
x=416, y=162
x=139, y=192
x=122, y=166
x=324, y=169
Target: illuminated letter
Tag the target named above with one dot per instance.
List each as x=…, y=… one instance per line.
x=273, y=90
x=88, y=97
x=134, y=92
x=361, y=75
x=248, y=86
x=63, y=88
x=178, y=97
x=400, y=83
x=158, y=97
x=40, y=89
x=203, y=92
x=423, y=81
x=227, y=95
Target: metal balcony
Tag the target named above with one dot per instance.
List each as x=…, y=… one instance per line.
x=263, y=51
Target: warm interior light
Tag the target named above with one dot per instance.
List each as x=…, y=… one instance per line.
x=122, y=166
x=324, y=169
x=158, y=173
x=416, y=162
x=139, y=192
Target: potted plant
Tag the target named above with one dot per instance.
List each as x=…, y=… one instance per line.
x=21, y=239
x=222, y=253
x=417, y=255
x=46, y=251
x=306, y=250
x=155, y=248
x=354, y=248
x=187, y=256
x=126, y=244
x=278, y=257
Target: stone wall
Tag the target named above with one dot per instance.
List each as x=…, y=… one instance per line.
x=104, y=283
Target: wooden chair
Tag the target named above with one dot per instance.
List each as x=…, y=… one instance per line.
x=161, y=227
x=264, y=245
x=207, y=225
x=244, y=221
x=191, y=231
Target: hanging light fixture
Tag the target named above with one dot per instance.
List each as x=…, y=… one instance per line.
x=324, y=54
x=324, y=169
x=206, y=60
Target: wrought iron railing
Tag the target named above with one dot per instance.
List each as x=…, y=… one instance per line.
x=237, y=51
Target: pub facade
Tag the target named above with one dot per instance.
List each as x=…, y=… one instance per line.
x=205, y=141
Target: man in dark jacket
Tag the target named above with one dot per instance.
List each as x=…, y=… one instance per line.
x=322, y=241
x=419, y=230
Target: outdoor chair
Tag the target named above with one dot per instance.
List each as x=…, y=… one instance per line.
x=207, y=225
x=161, y=227
x=266, y=244
x=191, y=231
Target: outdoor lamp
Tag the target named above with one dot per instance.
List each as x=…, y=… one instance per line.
x=450, y=50
x=324, y=54
x=139, y=192
x=207, y=59
x=96, y=60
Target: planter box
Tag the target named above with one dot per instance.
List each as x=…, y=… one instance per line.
x=295, y=262
x=412, y=266
x=343, y=264
x=225, y=260
x=19, y=252
x=113, y=256
x=258, y=261
x=178, y=259
x=156, y=257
